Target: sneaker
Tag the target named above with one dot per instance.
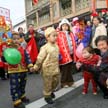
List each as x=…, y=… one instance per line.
x=52, y=95
x=94, y=93
x=3, y=78
x=25, y=100
x=65, y=86
x=105, y=96
x=21, y=105
x=84, y=93
x=49, y=100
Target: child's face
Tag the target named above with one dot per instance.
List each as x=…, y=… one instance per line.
x=52, y=38
x=85, y=54
x=102, y=46
x=16, y=39
x=65, y=27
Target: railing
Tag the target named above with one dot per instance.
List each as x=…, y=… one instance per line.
x=81, y=4
x=66, y=11
x=44, y=19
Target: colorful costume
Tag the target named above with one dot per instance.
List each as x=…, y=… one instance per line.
x=48, y=60
x=89, y=76
x=18, y=76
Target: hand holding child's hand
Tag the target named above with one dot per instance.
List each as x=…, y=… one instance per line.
x=78, y=65
x=31, y=69
x=107, y=82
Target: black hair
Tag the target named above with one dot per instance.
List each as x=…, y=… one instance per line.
x=101, y=38
x=98, y=18
x=30, y=25
x=68, y=28
x=20, y=28
x=89, y=49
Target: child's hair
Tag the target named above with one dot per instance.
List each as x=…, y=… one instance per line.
x=69, y=29
x=98, y=18
x=89, y=49
x=101, y=38
x=15, y=33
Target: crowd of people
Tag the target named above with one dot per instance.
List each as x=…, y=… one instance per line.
x=82, y=44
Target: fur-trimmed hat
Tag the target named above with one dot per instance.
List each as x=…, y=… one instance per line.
x=64, y=21
x=48, y=31
x=15, y=33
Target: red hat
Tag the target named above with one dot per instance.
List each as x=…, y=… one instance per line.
x=94, y=14
x=104, y=10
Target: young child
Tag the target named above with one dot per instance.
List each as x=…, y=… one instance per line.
x=18, y=74
x=100, y=72
x=48, y=59
x=89, y=57
x=67, y=46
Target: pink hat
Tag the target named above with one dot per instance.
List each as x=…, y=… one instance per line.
x=75, y=19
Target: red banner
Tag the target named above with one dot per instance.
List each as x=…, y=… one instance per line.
x=32, y=49
x=93, y=6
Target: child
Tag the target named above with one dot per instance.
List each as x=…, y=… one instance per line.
x=89, y=57
x=67, y=46
x=48, y=59
x=100, y=72
x=18, y=75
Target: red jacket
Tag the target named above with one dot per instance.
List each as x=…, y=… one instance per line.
x=92, y=61
x=64, y=48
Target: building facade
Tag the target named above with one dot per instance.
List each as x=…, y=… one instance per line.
x=49, y=12
x=20, y=23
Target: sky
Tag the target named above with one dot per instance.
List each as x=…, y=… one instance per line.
x=17, y=9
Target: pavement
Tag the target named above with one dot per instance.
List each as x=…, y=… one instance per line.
x=66, y=98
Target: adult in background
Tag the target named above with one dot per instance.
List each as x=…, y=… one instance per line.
x=32, y=33
x=22, y=35
x=100, y=30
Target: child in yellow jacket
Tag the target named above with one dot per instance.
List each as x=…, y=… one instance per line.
x=48, y=60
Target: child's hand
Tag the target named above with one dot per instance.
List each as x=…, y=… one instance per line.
x=107, y=82
x=78, y=65
x=31, y=69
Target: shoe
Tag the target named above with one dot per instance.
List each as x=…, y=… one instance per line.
x=49, y=100
x=105, y=96
x=65, y=86
x=84, y=93
x=21, y=105
x=25, y=100
x=3, y=78
x=52, y=95
x=94, y=93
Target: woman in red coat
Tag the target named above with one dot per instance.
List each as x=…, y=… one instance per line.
x=67, y=46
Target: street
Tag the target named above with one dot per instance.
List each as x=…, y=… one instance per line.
x=66, y=98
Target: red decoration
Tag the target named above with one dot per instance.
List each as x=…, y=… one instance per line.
x=2, y=21
x=94, y=14
x=32, y=49
x=107, y=4
x=35, y=2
